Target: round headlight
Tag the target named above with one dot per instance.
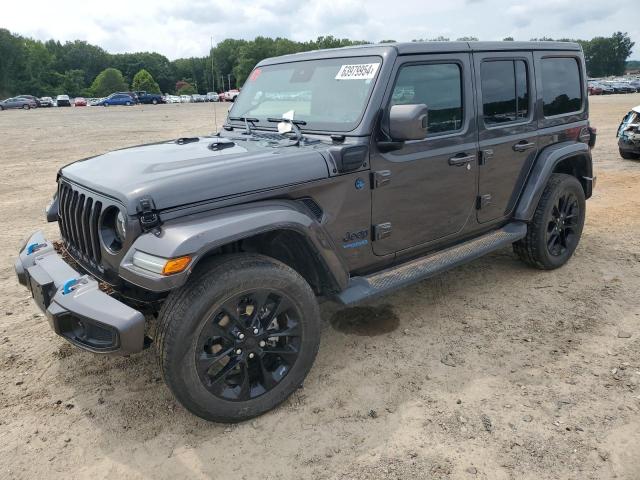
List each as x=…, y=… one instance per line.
x=121, y=226
x=113, y=228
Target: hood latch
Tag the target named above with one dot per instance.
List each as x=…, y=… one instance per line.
x=147, y=215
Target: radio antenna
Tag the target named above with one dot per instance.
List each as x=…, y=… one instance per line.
x=213, y=83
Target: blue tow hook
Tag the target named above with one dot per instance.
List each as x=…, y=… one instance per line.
x=68, y=286
x=34, y=247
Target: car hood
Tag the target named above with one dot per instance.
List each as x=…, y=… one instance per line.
x=176, y=173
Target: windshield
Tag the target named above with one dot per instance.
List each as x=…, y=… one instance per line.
x=329, y=94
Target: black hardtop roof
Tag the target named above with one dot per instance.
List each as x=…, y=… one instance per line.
x=414, y=48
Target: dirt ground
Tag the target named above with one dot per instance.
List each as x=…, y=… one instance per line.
x=491, y=371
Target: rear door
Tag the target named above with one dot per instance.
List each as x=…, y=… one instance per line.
x=507, y=133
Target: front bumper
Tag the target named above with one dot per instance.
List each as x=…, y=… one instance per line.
x=74, y=304
x=630, y=143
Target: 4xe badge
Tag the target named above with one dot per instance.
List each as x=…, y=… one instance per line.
x=355, y=239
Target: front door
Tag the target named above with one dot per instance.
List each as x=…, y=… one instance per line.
x=426, y=190
x=506, y=129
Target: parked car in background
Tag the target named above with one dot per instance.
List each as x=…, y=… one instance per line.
x=172, y=98
x=46, y=102
x=17, y=102
x=185, y=99
x=63, y=101
x=622, y=87
x=79, y=102
x=231, y=95
x=150, y=98
x=629, y=135
x=197, y=98
x=116, y=99
x=31, y=97
x=212, y=97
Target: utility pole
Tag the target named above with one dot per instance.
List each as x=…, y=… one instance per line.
x=229, y=80
x=213, y=77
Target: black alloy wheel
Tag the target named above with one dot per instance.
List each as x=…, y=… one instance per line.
x=248, y=344
x=562, y=226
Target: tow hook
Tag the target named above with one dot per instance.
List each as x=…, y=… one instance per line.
x=70, y=285
x=34, y=247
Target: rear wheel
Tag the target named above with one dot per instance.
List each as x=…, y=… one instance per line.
x=26, y=107
x=556, y=227
x=238, y=338
x=128, y=104
x=154, y=101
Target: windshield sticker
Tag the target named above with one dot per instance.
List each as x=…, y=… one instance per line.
x=254, y=75
x=364, y=71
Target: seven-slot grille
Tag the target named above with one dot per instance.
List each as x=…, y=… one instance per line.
x=78, y=220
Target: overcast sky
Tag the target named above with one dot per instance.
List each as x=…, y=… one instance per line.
x=182, y=29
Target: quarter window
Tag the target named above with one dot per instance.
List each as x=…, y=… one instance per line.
x=505, y=91
x=439, y=87
x=561, y=89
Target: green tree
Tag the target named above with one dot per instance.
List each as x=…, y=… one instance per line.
x=185, y=88
x=145, y=82
x=507, y=39
x=108, y=81
x=467, y=39
x=607, y=55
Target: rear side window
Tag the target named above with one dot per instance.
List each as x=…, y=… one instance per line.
x=439, y=87
x=561, y=86
x=505, y=91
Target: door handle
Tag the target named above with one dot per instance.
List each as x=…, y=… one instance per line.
x=462, y=160
x=523, y=145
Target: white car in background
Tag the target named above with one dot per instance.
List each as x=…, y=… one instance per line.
x=212, y=97
x=231, y=95
x=185, y=98
x=172, y=98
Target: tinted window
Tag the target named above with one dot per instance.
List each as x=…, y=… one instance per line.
x=439, y=87
x=505, y=92
x=561, y=89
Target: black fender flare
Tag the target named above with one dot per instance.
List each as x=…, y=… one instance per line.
x=542, y=170
x=197, y=235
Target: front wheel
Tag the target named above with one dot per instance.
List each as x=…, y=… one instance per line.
x=556, y=227
x=26, y=107
x=238, y=338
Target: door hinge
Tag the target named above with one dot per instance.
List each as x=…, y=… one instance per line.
x=380, y=178
x=483, y=200
x=485, y=156
x=147, y=215
x=382, y=230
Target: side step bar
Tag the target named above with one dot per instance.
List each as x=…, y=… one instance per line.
x=362, y=288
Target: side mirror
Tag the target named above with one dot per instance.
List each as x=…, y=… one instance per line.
x=408, y=122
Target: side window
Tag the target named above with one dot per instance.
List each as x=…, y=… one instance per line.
x=561, y=86
x=439, y=87
x=505, y=91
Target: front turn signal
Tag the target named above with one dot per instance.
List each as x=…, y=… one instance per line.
x=176, y=265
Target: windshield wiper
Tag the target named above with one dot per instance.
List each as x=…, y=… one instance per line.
x=246, y=121
x=293, y=123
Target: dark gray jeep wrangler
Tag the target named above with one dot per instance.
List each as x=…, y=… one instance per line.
x=339, y=174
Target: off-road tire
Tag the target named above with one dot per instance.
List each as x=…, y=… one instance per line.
x=187, y=309
x=533, y=249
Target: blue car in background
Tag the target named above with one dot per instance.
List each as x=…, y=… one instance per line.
x=117, y=99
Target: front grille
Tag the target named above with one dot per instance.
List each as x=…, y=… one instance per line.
x=78, y=220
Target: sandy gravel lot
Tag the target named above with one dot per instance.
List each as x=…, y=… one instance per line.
x=491, y=371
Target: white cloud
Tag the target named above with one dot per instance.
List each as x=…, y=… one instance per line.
x=184, y=29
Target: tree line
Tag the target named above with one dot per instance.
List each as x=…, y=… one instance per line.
x=77, y=68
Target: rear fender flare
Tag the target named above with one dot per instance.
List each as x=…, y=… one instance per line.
x=542, y=170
